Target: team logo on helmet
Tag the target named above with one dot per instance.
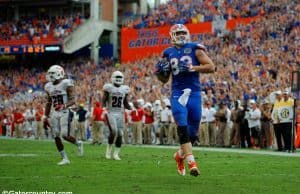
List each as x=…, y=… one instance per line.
x=55, y=72
x=179, y=34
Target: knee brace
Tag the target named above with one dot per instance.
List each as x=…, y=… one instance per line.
x=183, y=134
x=118, y=142
x=59, y=144
x=111, y=138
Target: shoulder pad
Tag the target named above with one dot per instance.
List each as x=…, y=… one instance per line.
x=197, y=45
x=47, y=86
x=107, y=87
x=67, y=82
x=166, y=52
x=200, y=46
x=126, y=89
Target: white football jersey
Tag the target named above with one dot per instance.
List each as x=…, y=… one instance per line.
x=58, y=92
x=116, y=97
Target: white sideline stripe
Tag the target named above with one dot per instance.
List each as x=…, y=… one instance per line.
x=223, y=150
x=231, y=150
x=18, y=155
x=24, y=139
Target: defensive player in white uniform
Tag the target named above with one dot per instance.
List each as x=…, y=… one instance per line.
x=60, y=97
x=115, y=100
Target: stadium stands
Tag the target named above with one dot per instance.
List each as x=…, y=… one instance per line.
x=195, y=11
x=34, y=30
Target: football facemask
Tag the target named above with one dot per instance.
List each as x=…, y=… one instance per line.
x=54, y=73
x=179, y=34
x=117, y=78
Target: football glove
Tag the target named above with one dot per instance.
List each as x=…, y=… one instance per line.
x=163, y=66
x=183, y=67
x=46, y=121
x=59, y=107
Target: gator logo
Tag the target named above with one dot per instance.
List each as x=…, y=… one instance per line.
x=187, y=51
x=284, y=113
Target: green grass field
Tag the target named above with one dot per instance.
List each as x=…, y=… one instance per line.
x=141, y=170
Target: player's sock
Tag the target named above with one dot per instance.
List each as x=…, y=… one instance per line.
x=190, y=158
x=63, y=154
x=109, y=148
x=194, y=171
x=117, y=150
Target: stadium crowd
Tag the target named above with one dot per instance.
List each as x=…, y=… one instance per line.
x=196, y=11
x=35, y=28
x=254, y=62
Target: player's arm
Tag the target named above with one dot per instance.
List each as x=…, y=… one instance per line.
x=126, y=103
x=206, y=64
x=105, y=98
x=71, y=96
x=48, y=105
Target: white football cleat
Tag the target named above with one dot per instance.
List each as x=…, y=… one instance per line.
x=80, y=148
x=116, y=157
x=64, y=162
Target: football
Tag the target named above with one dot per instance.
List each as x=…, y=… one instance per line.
x=163, y=76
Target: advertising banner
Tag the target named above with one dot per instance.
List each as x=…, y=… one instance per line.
x=140, y=43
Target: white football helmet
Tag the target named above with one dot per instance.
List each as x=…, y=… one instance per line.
x=148, y=105
x=141, y=101
x=117, y=78
x=55, y=72
x=179, y=34
x=157, y=103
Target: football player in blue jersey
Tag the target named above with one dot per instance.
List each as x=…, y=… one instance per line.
x=185, y=60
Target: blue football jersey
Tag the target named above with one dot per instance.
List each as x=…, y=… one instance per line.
x=184, y=54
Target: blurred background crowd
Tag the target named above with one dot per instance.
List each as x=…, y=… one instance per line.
x=195, y=11
x=39, y=29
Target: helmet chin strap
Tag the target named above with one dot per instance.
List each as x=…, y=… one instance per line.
x=56, y=81
x=117, y=85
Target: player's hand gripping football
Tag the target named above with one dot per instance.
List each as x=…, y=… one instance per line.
x=162, y=67
x=185, y=66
